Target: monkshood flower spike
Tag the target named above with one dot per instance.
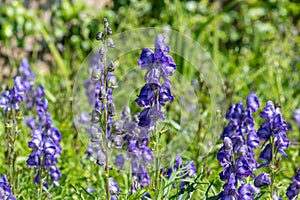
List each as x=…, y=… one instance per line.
x=5, y=189
x=273, y=135
x=236, y=156
x=99, y=91
x=45, y=143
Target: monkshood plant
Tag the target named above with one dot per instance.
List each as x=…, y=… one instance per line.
x=102, y=82
x=237, y=156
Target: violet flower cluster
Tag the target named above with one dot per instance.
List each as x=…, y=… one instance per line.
x=236, y=156
x=294, y=187
x=11, y=99
x=136, y=140
x=272, y=131
x=5, y=189
x=154, y=95
x=45, y=143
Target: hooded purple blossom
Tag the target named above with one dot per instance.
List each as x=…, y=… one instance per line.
x=11, y=99
x=262, y=179
x=274, y=126
x=45, y=142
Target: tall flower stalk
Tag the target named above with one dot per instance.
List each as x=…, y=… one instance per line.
x=156, y=92
x=236, y=156
x=104, y=108
x=273, y=133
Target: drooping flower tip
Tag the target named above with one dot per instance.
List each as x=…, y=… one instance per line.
x=262, y=179
x=252, y=102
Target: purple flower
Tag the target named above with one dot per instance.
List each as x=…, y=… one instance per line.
x=45, y=142
x=296, y=117
x=262, y=179
x=274, y=126
x=252, y=102
x=114, y=188
x=6, y=189
x=11, y=99
x=294, y=187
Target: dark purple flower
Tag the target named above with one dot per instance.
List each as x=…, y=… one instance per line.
x=262, y=179
x=252, y=102
x=146, y=96
x=269, y=111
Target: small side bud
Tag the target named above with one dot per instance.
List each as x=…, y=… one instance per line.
x=96, y=116
x=118, y=142
x=100, y=158
x=110, y=43
x=102, y=93
x=227, y=144
x=112, y=82
x=96, y=75
x=111, y=111
x=108, y=30
x=117, y=127
x=99, y=36
x=110, y=66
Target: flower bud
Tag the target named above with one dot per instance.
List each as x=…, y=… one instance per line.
x=118, y=142
x=110, y=66
x=117, y=127
x=95, y=137
x=243, y=150
x=100, y=158
x=112, y=82
x=227, y=144
x=102, y=93
x=96, y=116
x=99, y=36
x=96, y=75
x=110, y=43
x=111, y=109
x=108, y=30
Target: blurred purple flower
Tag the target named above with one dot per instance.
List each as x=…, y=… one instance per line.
x=6, y=189
x=294, y=187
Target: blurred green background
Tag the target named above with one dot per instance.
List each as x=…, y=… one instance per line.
x=254, y=44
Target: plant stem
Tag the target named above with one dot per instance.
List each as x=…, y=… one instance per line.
x=105, y=123
x=273, y=167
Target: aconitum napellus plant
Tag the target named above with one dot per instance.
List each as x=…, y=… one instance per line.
x=236, y=156
x=45, y=142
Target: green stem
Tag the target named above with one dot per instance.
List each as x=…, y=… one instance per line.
x=272, y=167
x=105, y=123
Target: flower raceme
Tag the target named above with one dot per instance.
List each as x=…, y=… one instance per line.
x=236, y=155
